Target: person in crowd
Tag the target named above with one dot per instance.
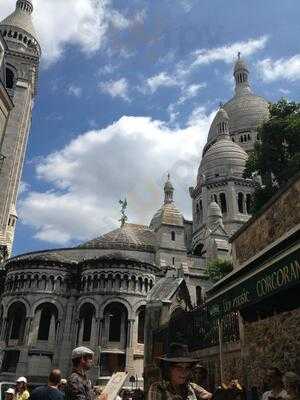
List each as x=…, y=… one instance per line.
x=292, y=385
x=62, y=385
x=21, y=389
x=79, y=387
x=176, y=369
x=274, y=380
x=51, y=390
x=10, y=394
x=200, y=375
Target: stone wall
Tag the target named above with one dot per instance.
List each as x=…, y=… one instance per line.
x=277, y=217
x=272, y=341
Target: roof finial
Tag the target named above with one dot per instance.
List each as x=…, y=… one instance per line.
x=239, y=55
x=169, y=190
x=124, y=217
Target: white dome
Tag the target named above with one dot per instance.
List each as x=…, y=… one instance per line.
x=214, y=210
x=223, y=158
x=245, y=111
x=167, y=214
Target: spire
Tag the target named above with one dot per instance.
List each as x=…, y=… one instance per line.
x=169, y=191
x=25, y=5
x=241, y=75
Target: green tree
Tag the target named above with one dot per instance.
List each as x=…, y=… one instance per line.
x=218, y=268
x=276, y=158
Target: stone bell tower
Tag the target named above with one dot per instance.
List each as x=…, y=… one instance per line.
x=22, y=62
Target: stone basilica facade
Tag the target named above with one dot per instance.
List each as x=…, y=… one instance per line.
x=95, y=294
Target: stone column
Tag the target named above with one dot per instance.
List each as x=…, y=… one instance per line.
x=4, y=329
x=129, y=348
x=232, y=204
x=105, y=338
x=81, y=328
x=94, y=335
x=23, y=359
x=33, y=334
x=205, y=203
x=68, y=336
x=52, y=333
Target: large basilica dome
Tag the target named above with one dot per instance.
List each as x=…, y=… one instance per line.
x=246, y=111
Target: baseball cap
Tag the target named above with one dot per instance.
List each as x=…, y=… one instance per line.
x=22, y=379
x=81, y=351
x=10, y=391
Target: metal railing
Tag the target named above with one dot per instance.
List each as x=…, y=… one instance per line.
x=196, y=329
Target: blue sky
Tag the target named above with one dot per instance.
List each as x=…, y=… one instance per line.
x=127, y=92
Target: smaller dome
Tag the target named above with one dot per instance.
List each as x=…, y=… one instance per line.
x=214, y=214
x=214, y=210
x=21, y=18
x=223, y=158
x=222, y=115
x=168, y=214
x=128, y=237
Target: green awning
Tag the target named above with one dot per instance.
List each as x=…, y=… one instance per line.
x=279, y=276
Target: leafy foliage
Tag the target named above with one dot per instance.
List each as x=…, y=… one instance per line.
x=276, y=158
x=218, y=268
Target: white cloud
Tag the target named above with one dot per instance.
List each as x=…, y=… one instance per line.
x=77, y=22
x=284, y=91
x=74, y=90
x=24, y=187
x=191, y=91
x=128, y=158
x=161, y=80
x=284, y=68
x=228, y=52
x=117, y=88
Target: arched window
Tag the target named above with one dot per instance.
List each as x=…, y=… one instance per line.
x=10, y=79
x=116, y=316
x=241, y=202
x=48, y=319
x=86, y=315
x=248, y=203
x=223, y=203
x=173, y=236
x=215, y=197
x=249, y=137
x=242, y=139
x=141, y=324
x=198, y=295
x=16, y=322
